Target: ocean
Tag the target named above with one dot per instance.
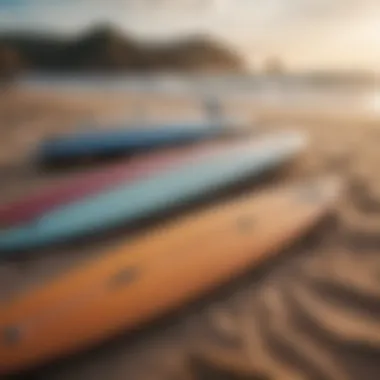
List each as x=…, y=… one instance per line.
x=285, y=91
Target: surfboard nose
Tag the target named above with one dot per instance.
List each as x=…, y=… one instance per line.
x=322, y=190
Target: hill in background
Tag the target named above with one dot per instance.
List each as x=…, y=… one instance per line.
x=104, y=49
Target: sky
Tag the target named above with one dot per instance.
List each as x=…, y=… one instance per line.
x=306, y=34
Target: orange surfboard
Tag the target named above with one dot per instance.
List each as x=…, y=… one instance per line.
x=155, y=273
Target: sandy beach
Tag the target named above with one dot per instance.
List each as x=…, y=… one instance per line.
x=312, y=314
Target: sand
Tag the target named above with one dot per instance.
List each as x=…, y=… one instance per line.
x=312, y=314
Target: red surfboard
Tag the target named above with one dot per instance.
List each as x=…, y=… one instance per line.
x=85, y=184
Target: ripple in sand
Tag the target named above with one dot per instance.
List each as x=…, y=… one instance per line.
x=289, y=344
x=339, y=321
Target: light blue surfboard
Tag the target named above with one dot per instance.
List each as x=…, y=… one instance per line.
x=165, y=190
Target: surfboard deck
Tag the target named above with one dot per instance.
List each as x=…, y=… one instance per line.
x=81, y=185
x=156, y=273
x=128, y=203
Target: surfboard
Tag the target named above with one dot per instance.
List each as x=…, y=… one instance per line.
x=128, y=140
x=78, y=186
x=157, y=272
x=130, y=202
